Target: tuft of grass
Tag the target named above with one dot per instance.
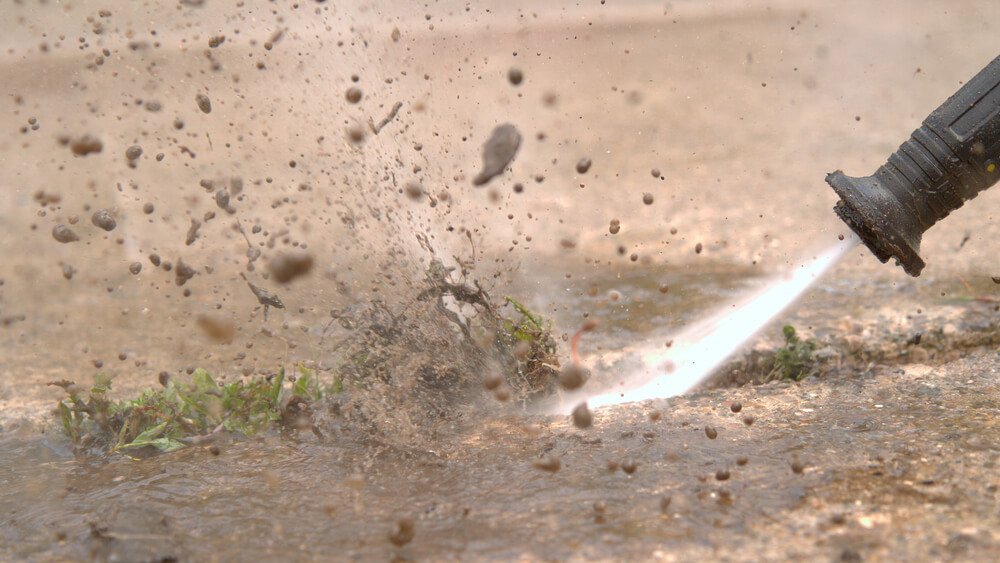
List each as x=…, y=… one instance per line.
x=180, y=414
x=795, y=359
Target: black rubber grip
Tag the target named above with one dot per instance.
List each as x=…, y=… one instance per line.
x=946, y=162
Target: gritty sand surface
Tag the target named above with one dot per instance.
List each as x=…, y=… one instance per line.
x=742, y=108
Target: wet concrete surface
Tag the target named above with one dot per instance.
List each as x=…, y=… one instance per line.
x=741, y=108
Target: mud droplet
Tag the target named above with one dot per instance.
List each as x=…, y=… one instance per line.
x=402, y=533
x=722, y=475
x=664, y=288
x=355, y=134
x=183, y=273
x=665, y=504
x=134, y=268
x=502, y=393
x=155, y=260
x=629, y=465
x=647, y=198
x=204, y=104
x=736, y=406
x=498, y=152
x=583, y=165
x=214, y=449
x=515, y=76
x=573, y=377
x=68, y=271
x=582, y=417
x=492, y=381
x=996, y=279
x=148, y=208
x=217, y=328
x=287, y=266
x=86, y=145
x=163, y=378
x=102, y=218
x=222, y=201
x=353, y=94
x=697, y=248
x=741, y=461
x=414, y=191
x=655, y=172
x=133, y=152
x=748, y=419
x=711, y=432
x=548, y=463
x=63, y=234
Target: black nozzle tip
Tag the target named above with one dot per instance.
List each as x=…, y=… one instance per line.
x=878, y=219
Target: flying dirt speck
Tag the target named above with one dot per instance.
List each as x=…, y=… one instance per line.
x=414, y=191
x=287, y=266
x=217, y=328
x=403, y=532
x=102, y=218
x=573, y=377
x=582, y=417
x=515, y=76
x=183, y=273
x=63, y=234
x=133, y=152
x=86, y=145
x=498, y=152
x=134, y=268
x=192, y=234
x=353, y=94
x=222, y=200
x=265, y=297
x=550, y=463
x=583, y=165
x=204, y=104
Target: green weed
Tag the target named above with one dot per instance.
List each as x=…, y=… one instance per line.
x=179, y=414
x=795, y=359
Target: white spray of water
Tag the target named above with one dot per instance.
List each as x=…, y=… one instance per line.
x=700, y=349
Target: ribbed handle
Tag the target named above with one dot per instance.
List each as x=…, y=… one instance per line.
x=946, y=162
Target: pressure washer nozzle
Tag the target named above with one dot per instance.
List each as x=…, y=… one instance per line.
x=954, y=155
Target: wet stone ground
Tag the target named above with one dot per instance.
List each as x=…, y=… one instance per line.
x=897, y=463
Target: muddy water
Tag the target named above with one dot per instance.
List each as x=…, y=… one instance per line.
x=473, y=492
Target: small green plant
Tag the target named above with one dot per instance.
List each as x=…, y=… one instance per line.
x=529, y=328
x=795, y=359
x=177, y=415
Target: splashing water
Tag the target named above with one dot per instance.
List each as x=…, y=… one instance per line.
x=699, y=350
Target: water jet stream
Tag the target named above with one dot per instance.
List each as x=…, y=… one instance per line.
x=697, y=351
